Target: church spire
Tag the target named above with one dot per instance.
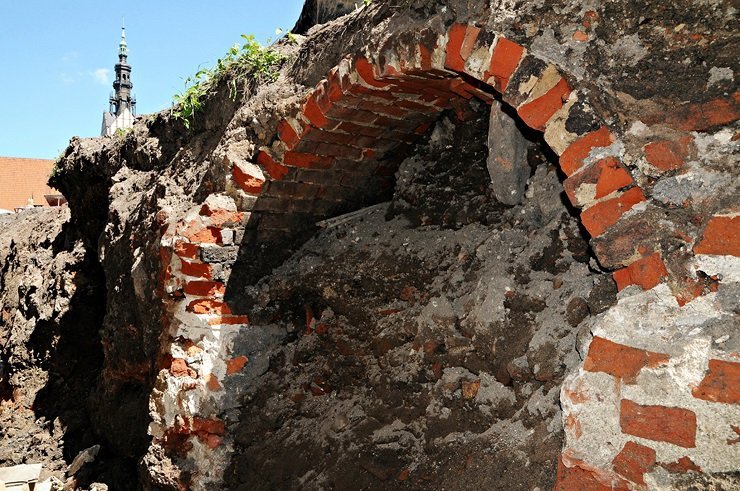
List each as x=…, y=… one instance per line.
x=122, y=102
x=122, y=46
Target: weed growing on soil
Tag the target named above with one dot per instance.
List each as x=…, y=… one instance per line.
x=249, y=59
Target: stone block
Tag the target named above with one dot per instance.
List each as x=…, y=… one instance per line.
x=507, y=157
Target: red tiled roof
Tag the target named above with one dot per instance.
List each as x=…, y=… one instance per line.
x=21, y=179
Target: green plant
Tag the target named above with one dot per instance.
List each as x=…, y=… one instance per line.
x=249, y=59
x=122, y=132
x=57, y=167
x=289, y=36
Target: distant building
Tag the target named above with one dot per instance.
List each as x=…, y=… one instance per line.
x=23, y=184
x=122, y=109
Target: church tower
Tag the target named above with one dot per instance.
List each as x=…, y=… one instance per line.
x=122, y=103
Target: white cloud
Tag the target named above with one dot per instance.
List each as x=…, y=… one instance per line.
x=101, y=76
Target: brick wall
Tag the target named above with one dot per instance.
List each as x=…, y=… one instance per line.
x=339, y=149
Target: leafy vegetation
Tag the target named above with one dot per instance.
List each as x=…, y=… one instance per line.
x=248, y=59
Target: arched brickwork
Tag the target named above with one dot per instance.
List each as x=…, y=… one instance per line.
x=344, y=143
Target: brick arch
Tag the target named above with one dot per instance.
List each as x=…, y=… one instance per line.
x=341, y=147
x=350, y=133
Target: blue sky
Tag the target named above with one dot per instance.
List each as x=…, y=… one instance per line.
x=56, y=58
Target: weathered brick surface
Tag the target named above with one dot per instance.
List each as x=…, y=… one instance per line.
x=681, y=466
x=646, y=272
x=197, y=270
x=633, y=461
x=721, y=237
x=597, y=181
x=204, y=288
x=461, y=40
x=186, y=250
x=667, y=154
x=537, y=112
x=598, y=218
x=573, y=157
x=578, y=476
x=506, y=56
x=208, y=306
x=621, y=361
x=721, y=383
x=248, y=183
x=235, y=365
x=665, y=424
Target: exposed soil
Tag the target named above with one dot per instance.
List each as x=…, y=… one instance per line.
x=50, y=347
x=422, y=343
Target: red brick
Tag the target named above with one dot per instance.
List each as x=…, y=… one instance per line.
x=582, y=477
x=352, y=114
x=220, y=217
x=354, y=128
x=633, y=461
x=480, y=94
x=612, y=177
x=396, y=110
x=721, y=383
x=646, y=273
x=235, y=365
x=275, y=169
x=700, y=116
x=308, y=160
x=721, y=237
x=287, y=134
x=228, y=320
x=688, y=289
x=202, y=235
x=333, y=137
x=681, y=466
x=659, y=423
x=607, y=174
x=209, y=426
x=204, y=288
x=572, y=158
x=334, y=91
x=208, y=306
x=361, y=90
x=212, y=382
x=603, y=215
x=180, y=368
x=619, y=360
x=666, y=154
x=460, y=88
x=506, y=57
x=416, y=106
x=312, y=111
x=366, y=71
x=539, y=111
x=321, y=95
x=186, y=250
x=198, y=270
x=338, y=151
x=460, y=42
x=211, y=441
